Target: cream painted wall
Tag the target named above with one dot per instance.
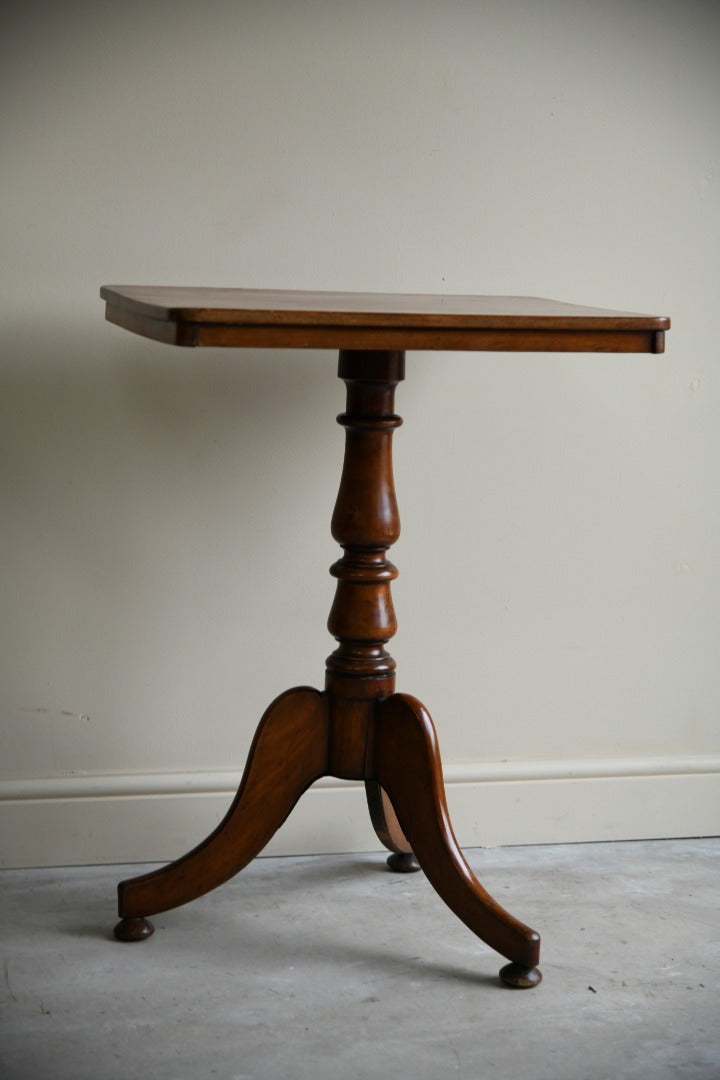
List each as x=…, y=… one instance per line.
x=165, y=513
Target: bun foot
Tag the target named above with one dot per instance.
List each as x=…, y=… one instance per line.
x=519, y=977
x=133, y=929
x=403, y=862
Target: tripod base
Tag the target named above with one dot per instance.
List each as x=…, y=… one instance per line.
x=357, y=728
x=292, y=748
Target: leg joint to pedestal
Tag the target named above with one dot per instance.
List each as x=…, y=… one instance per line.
x=351, y=724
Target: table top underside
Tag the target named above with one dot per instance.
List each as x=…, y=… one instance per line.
x=256, y=318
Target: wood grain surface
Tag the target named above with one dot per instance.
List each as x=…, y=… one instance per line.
x=259, y=318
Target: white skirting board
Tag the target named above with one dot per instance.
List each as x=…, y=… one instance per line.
x=85, y=820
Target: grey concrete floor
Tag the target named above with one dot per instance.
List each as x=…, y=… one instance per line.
x=331, y=967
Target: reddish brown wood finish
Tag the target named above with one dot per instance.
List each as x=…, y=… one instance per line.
x=358, y=728
x=386, y=825
x=365, y=523
x=288, y=754
x=256, y=318
x=406, y=763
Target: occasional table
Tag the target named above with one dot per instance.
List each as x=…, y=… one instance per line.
x=358, y=727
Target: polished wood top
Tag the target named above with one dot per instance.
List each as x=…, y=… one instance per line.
x=293, y=319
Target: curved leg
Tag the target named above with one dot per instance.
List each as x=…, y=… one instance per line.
x=288, y=753
x=387, y=827
x=407, y=765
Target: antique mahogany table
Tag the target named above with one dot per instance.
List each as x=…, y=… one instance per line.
x=358, y=728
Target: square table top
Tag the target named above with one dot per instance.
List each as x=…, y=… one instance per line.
x=259, y=318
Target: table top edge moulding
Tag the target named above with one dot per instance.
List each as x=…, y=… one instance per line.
x=358, y=727
x=258, y=318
